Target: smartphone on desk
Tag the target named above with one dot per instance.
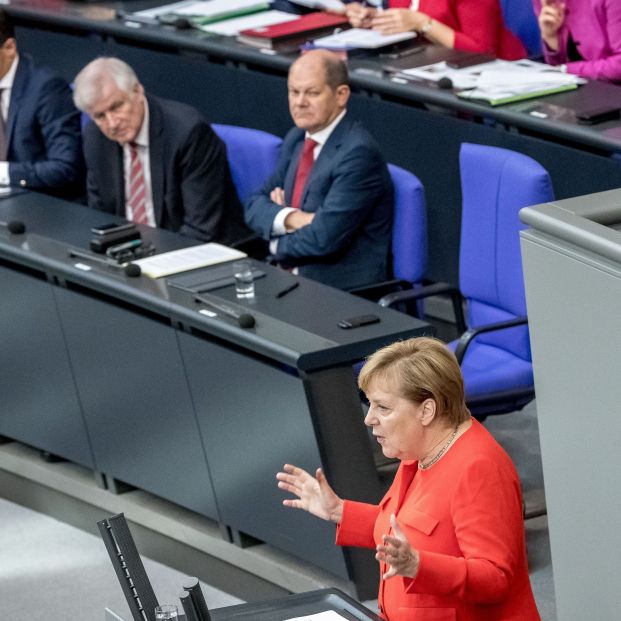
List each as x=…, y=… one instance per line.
x=112, y=228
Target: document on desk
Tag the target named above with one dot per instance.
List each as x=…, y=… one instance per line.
x=361, y=38
x=186, y=259
x=321, y=5
x=206, y=11
x=232, y=27
x=328, y=615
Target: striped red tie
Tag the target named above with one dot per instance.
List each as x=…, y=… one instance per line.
x=137, y=189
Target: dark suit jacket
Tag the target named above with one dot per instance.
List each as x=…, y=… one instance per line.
x=349, y=189
x=192, y=189
x=43, y=133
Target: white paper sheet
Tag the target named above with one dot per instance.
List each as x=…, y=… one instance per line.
x=328, y=615
x=186, y=259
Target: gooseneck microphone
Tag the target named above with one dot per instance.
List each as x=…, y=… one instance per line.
x=245, y=320
x=132, y=270
x=15, y=227
x=445, y=83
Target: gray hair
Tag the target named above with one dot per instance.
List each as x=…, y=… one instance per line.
x=88, y=83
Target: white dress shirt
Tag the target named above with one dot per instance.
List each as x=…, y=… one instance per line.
x=142, y=148
x=6, y=84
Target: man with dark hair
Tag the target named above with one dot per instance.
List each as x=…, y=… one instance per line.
x=154, y=161
x=327, y=209
x=40, y=141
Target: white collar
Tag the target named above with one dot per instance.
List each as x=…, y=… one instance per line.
x=142, y=139
x=321, y=137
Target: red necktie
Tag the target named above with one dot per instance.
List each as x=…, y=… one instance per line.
x=399, y=4
x=137, y=190
x=304, y=167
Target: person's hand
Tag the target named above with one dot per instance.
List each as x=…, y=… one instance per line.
x=394, y=21
x=550, y=20
x=298, y=219
x=397, y=553
x=277, y=195
x=314, y=494
x=359, y=16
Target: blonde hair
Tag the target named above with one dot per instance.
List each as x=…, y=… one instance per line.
x=418, y=369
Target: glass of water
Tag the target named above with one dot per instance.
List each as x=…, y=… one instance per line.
x=166, y=612
x=244, y=280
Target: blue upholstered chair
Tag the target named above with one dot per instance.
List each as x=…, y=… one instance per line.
x=494, y=351
x=520, y=19
x=409, y=236
x=252, y=156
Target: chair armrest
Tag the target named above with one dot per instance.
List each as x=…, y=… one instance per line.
x=428, y=291
x=378, y=289
x=469, y=335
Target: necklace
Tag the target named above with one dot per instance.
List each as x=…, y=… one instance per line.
x=434, y=459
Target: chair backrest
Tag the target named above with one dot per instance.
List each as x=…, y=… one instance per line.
x=496, y=183
x=252, y=156
x=520, y=19
x=409, y=232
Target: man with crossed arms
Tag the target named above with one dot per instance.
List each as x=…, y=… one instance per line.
x=327, y=209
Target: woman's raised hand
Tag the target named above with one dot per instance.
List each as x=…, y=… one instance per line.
x=314, y=494
x=550, y=20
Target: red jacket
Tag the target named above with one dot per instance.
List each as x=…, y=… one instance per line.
x=478, y=25
x=464, y=516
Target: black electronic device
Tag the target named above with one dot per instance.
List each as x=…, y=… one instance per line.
x=357, y=322
x=113, y=227
x=128, y=567
x=15, y=227
x=598, y=114
x=101, y=242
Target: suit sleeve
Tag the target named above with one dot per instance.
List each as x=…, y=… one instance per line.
x=608, y=68
x=90, y=156
x=59, y=124
x=487, y=515
x=357, y=524
x=259, y=209
x=357, y=184
x=204, y=177
x=478, y=25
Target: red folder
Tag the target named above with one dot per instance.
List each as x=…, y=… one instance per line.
x=289, y=36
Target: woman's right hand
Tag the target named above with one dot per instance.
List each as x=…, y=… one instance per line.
x=551, y=19
x=359, y=16
x=314, y=493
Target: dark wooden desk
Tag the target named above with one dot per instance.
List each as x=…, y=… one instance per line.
x=125, y=376
x=418, y=127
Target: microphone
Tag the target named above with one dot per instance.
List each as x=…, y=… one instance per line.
x=132, y=270
x=245, y=320
x=445, y=83
x=15, y=227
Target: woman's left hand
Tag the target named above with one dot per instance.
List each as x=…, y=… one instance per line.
x=397, y=553
x=394, y=21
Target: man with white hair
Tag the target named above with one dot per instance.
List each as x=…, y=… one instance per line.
x=154, y=161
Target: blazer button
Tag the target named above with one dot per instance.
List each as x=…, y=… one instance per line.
x=22, y=183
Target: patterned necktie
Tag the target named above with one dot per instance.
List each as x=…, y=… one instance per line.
x=137, y=189
x=304, y=168
x=3, y=144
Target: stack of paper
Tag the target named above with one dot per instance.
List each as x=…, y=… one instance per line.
x=232, y=27
x=501, y=85
x=321, y=5
x=361, y=38
x=207, y=11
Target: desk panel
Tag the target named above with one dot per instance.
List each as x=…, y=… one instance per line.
x=136, y=401
x=39, y=402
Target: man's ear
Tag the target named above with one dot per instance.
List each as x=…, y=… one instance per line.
x=342, y=95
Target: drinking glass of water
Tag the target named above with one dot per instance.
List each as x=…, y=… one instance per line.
x=244, y=280
x=165, y=612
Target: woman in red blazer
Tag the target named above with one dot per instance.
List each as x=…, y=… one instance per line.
x=469, y=25
x=448, y=535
